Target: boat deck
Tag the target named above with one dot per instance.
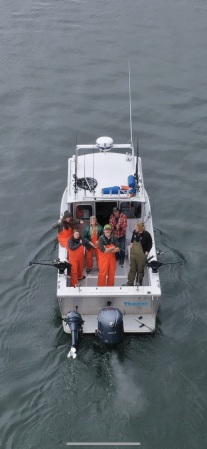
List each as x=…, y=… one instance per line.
x=120, y=277
x=91, y=279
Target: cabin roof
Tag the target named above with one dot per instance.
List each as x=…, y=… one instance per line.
x=109, y=169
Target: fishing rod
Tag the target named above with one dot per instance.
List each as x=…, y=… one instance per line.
x=136, y=175
x=155, y=265
x=76, y=163
x=84, y=173
x=93, y=167
x=61, y=266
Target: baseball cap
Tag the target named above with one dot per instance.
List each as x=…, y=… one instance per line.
x=115, y=209
x=107, y=226
x=67, y=214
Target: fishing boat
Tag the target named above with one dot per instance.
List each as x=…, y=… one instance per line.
x=102, y=176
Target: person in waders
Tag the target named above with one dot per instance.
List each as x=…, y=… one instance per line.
x=76, y=256
x=65, y=227
x=141, y=244
x=108, y=246
x=91, y=233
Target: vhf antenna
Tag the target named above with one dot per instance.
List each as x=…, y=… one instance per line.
x=130, y=105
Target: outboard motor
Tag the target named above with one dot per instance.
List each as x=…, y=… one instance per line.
x=75, y=322
x=110, y=325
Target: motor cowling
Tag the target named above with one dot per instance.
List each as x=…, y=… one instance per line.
x=110, y=325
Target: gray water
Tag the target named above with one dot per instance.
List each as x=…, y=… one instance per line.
x=64, y=70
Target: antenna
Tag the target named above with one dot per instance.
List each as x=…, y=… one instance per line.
x=130, y=105
x=76, y=162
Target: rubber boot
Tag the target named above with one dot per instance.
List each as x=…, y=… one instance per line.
x=140, y=278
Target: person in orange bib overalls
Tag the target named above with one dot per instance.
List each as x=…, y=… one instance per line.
x=108, y=246
x=76, y=257
x=92, y=232
x=65, y=227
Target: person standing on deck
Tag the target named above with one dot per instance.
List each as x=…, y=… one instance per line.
x=76, y=256
x=108, y=246
x=65, y=227
x=91, y=233
x=141, y=244
x=118, y=222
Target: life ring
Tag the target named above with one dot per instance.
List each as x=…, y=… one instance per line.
x=79, y=212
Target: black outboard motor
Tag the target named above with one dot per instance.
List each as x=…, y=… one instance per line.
x=110, y=325
x=75, y=322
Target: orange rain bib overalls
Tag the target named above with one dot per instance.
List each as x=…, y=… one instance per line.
x=90, y=252
x=107, y=268
x=64, y=236
x=76, y=258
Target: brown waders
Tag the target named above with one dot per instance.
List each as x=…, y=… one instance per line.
x=137, y=263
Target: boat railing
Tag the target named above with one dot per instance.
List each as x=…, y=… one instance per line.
x=115, y=291
x=127, y=146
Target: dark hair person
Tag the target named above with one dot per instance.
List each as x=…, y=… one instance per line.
x=65, y=227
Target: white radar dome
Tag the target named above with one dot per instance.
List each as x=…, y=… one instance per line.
x=104, y=143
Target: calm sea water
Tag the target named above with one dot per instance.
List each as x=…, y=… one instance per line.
x=64, y=69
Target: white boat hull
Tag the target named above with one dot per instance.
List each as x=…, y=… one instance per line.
x=138, y=304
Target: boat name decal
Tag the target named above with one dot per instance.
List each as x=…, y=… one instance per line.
x=143, y=303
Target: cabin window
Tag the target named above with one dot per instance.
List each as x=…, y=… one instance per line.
x=132, y=209
x=83, y=212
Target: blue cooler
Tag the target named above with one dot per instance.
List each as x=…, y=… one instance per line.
x=131, y=181
x=113, y=190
